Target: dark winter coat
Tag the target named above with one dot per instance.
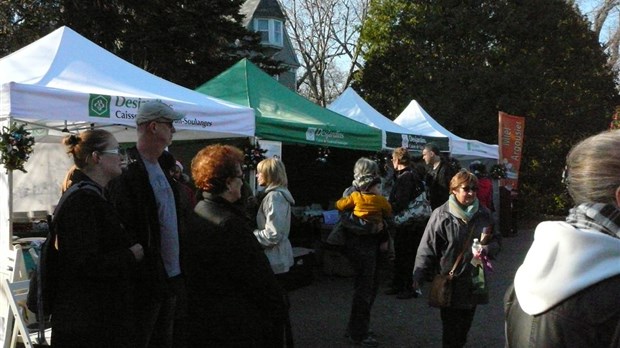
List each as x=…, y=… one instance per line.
x=442, y=242
x=94, y=297
x=591, y=318
x=135, y=201
x=406, y=187
x=235, y=299
x=438, y=182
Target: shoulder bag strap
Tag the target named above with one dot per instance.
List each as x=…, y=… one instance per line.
x=458, y=258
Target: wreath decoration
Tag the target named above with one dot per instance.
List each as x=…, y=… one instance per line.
x=323, y=154
x=498, y=171
x=15, y=146
x=252, y=156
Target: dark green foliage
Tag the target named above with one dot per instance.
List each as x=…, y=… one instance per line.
x=186, y=42
x=466, y=60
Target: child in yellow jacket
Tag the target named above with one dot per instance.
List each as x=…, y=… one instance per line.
x=368, y=204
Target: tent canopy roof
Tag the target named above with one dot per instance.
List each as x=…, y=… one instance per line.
x=65, y=77
x=414, y=117
x=351, y=105
x=284, y=115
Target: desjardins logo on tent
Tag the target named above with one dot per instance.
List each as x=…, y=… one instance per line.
x=99, y=105
x=324, y=135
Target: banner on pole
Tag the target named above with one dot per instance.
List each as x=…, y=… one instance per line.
x=511, y=130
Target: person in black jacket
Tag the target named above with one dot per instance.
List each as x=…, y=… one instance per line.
x=93, y=302
x=148, y=203
x=235, y=298
x=566, y=291
x=438, y=176
x=407, y=186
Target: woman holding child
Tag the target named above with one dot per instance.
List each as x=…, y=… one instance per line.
x=364, y=200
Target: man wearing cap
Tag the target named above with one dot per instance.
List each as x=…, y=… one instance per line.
x=148, y=204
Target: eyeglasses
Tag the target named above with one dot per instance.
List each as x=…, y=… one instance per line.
x=469, y=188
x=115, y=151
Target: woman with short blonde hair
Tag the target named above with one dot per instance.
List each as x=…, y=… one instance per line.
x=273, y=219
x=273, y=171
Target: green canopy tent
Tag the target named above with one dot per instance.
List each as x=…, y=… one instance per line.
x=283, y=115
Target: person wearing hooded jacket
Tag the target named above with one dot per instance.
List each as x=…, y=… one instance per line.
x=565, y=293
x=273, y=219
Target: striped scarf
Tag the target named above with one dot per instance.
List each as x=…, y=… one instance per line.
x=601, y=217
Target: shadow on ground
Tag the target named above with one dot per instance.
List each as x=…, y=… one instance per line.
x=319, y=311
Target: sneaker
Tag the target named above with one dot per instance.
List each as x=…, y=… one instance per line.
x=366, y=342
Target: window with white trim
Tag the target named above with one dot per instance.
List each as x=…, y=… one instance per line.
x=271, y=31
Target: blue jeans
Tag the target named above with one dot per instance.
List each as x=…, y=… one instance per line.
x=363, y=252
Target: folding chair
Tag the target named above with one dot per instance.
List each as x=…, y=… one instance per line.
x=17, y=292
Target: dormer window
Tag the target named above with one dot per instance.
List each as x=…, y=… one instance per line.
x=270, y=31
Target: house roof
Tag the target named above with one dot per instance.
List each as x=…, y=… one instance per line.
x=261, y=8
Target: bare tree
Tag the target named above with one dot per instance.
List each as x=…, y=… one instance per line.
x=605, y=18
x=324, y=34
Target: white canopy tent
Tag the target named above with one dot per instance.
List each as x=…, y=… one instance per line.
x=64, y=82
x=351, y=105
x=414, y=117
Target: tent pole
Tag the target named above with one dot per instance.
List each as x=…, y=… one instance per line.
x=6, y=206
x=252, y=172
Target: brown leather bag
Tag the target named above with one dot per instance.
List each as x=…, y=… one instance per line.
x=441, y=287
x=441, y=291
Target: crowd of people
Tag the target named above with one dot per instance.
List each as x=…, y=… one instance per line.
x=148, y=258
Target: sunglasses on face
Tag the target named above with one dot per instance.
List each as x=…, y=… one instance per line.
x=469, y=188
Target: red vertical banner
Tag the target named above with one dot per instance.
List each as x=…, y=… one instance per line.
x=511, y=130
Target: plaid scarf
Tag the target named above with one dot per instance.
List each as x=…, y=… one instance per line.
x=601, y=217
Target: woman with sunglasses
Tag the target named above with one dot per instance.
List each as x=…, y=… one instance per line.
x=449, y=233
x=96, y=258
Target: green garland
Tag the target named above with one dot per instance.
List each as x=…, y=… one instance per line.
x=16, y=146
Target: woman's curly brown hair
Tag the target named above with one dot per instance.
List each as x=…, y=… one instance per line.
x=213, y=165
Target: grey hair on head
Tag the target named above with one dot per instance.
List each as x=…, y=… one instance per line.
x=593, y=169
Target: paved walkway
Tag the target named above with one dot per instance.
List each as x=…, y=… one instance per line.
x=320, y=311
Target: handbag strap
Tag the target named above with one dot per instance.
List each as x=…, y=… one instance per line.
x=458, y=258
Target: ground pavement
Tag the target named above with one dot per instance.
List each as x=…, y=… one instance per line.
x=319, y=311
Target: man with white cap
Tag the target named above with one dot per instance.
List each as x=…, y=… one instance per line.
x=148, y=204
